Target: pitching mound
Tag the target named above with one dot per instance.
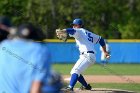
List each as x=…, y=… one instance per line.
x=99, y=90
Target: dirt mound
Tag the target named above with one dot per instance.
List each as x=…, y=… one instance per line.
x=99, y=90
x=108, y=79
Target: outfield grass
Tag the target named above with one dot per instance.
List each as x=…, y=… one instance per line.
x=98, y=69
x=110, y=69
x=123, y=86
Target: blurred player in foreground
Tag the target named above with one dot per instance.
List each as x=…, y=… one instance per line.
x=104, y=60
x=24, y=63
x=5, y=25
x=85, y=41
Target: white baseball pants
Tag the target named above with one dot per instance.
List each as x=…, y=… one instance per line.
x=85, y=60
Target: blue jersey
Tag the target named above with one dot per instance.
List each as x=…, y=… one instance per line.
x=21, y=63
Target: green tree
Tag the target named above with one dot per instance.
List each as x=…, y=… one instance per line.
x=112, y=19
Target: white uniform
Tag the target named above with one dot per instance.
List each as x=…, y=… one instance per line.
x=85, y=40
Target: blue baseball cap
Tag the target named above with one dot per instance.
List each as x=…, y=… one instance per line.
x=77, y=21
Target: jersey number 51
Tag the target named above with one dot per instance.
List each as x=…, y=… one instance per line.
x=90, y=38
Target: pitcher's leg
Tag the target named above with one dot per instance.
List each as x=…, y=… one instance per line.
x=84, y=86
x=81, y=65
x=90, y=61
x=73, y=80
x=78, y=68
x=82, y=80
x=75, y=73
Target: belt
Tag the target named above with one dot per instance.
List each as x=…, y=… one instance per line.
x=88, y=52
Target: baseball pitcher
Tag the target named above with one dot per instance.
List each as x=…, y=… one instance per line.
x=85, y=41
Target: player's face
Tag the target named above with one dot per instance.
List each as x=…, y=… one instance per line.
x=76, y=26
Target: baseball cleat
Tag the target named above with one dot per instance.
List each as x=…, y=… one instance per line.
x=68, y=90
x=86, y=88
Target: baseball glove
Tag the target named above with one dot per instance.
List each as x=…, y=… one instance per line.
x=61, y=34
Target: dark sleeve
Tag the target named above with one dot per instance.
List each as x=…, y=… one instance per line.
x=70, y=31
x=102, y=42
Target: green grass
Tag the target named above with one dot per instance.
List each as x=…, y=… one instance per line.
x=123, y=86
x=97, y=69
x=110, y=69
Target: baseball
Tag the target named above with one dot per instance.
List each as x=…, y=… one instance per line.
x=108, y=56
